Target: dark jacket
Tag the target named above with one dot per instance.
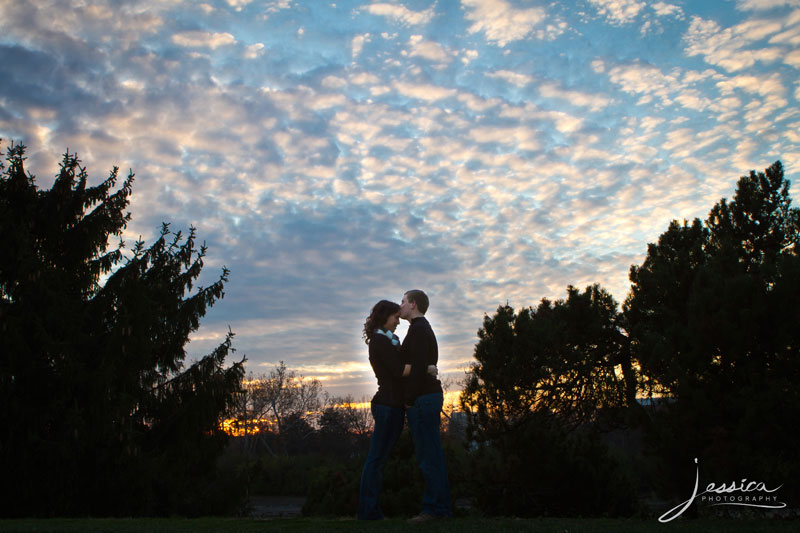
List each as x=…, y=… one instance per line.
x=385, y=360
x=420, y=350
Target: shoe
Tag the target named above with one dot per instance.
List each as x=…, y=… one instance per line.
x=423, y=517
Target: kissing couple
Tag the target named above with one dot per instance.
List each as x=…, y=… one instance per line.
x=407, y=387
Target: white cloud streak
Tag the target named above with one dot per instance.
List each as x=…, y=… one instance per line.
x=399, y=13
x=203, y=39
x=620, y=11
x=500, y=22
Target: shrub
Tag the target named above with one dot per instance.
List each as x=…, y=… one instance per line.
x=544, y=471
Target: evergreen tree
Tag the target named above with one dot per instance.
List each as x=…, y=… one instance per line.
x=714, y=325
x=557, y=361
x=546, y=381
x=100, y=413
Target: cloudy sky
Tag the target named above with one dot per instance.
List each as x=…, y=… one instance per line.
x=332, y=154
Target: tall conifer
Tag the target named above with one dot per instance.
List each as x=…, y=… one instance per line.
x=101, y=414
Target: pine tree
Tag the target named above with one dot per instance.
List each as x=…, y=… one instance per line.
x=556, y=361
x=541, y=390
x=100, y=413
x=714, y=319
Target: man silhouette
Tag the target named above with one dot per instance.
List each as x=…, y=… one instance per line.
x=424, y=399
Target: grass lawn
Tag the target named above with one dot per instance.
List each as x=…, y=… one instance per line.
x=461, y=525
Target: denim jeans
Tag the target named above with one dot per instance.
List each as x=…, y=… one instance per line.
x=423, y=421
x=388, y=426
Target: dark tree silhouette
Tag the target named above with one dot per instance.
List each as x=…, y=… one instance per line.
x=557, y=360
x=344, y=428
x=275, y=411
x=713, y=319
x=100, y=415
x=544, y=383
x=656, y=308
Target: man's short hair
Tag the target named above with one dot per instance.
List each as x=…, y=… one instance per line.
x=420, y=298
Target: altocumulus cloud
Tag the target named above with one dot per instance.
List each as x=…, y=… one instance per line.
x=203, y=39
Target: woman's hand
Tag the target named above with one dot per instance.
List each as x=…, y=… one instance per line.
x=433, y=370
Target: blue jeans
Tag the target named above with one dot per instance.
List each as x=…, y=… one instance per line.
x=423, y=421
x=388, y=426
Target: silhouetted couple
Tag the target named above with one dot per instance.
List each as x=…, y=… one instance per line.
x=407, y=386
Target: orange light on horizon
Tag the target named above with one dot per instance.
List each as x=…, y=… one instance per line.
x=236, y=428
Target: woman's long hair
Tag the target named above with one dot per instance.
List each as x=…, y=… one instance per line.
x=378, y=317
